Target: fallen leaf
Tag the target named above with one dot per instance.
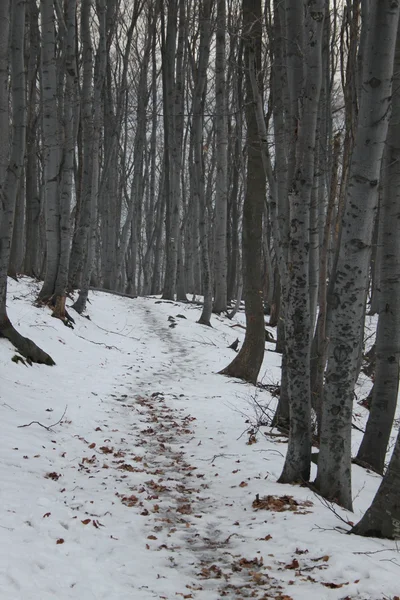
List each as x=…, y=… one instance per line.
x=92, y=446
x=86, y=521
x=280, y=504
x=46, y=515
x=129, y=500
x=324, y=558
x=184, y=509
x=243, y=484
x=335, y=586
x=60, y=541
x=293, y=565
x=54, y=476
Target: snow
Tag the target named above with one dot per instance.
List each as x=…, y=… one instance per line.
x=145, y=488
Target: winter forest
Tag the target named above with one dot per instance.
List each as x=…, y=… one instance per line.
x=241, y=153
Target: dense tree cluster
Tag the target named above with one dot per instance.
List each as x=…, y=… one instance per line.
x=214, y=148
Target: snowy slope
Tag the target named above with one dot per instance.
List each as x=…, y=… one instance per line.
x=145, y=489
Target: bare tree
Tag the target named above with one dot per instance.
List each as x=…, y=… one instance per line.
x=372, y=452
x=348, y=300
x=221, y=142
x=247, y=363
x=11, y=166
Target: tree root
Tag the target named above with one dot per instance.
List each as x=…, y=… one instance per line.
x=25, y=346
x=60, y=312
x=57, y=305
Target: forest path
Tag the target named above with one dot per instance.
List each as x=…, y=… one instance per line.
x=143, y=481
x=184, y=520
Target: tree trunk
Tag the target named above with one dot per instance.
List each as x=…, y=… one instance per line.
x=297, y=314
x=334, y=463
x=51, y=148
x=172, y=198
x=221, y=184
x=31, y=184
x=372, y=451
x=199, y=192
x=382, y=519
x=247, y=363
x=11, y=167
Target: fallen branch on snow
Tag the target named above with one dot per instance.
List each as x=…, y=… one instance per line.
x=48, y=427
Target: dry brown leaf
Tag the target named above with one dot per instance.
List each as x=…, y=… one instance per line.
x=86, y=521
x=293, y=565
x=129, y=500
x=335, y=586
x=54, y=476
x=184, y=509
x=46, y=515
x=126, y=467
x=280, y=504
x=91, y=446
x=60, y=541
x=152, y=537
x=243, y=484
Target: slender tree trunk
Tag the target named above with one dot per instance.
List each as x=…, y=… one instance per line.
x=200, y=79
x=297, y=315
x=372, y=451
x=334, y=464
x=31, y=185
x=172, y=198
x=221, y=184
x=11, y=167
x=247, y=363
x=51, y=148
x=91, y=147
x=79, y=241
x=382, y=519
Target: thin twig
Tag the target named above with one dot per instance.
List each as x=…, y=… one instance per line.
x=98, y=343
x=376, y=551
x=48, y=427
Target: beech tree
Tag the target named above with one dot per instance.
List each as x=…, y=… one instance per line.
x=11, y=164
x=221, y=143
x=59, y=79
x=372, y=451
x=351, y=277
x=247, y=363
x=304, y=68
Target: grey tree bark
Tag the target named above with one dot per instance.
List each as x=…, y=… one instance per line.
x=51, y=148
x=382, y=519
x=199, y=192
x=92, y=105
x=247, y=363
x=221, y=183
x=372, y=452
x=31, y=184
x=348, y=301
x=305, y=77
x=11, y=166
x=170, y=181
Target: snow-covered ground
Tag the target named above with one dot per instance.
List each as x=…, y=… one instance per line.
x=148, y=486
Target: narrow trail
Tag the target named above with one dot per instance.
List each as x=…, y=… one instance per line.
x=179, y=499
